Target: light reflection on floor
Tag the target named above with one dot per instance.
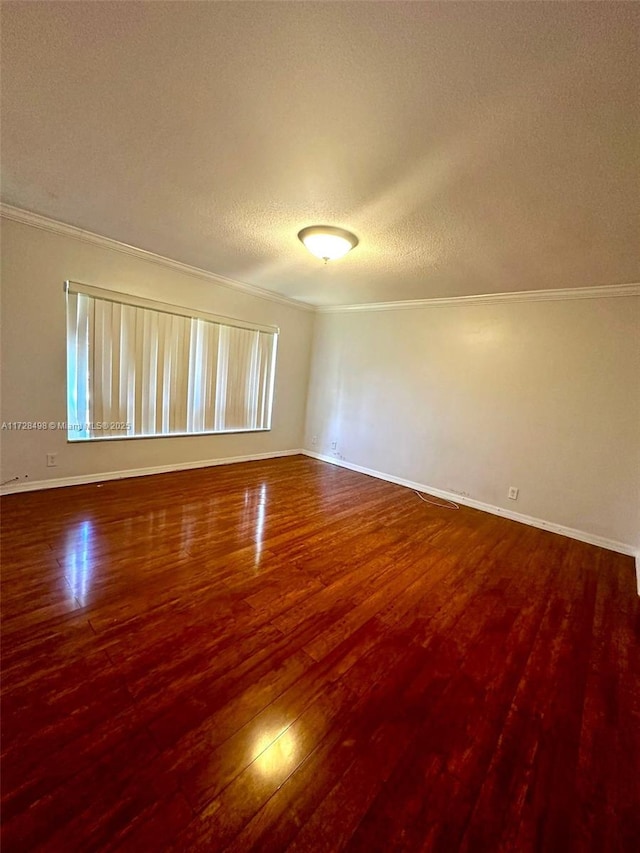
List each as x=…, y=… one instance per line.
x=255, y=508
x=275, y=752
x=78, y=562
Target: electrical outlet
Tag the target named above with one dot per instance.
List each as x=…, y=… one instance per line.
x=52, y=460
x=334, y=445
x=513, y=493
x=314, y=440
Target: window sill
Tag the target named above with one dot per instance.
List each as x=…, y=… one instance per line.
x=95, y=439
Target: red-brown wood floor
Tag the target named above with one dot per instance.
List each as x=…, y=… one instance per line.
x=287, y=655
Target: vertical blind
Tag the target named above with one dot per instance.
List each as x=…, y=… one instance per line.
x=134, y=369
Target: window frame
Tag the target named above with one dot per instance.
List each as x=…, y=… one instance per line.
x=122, y=298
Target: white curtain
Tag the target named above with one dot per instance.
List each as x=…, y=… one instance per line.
x=162, y=373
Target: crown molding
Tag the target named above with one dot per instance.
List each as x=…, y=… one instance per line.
x=604, y=291
x=36, y=220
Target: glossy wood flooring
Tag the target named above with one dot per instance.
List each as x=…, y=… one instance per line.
x=286, y=655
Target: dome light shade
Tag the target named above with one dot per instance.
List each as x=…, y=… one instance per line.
x=326, y=242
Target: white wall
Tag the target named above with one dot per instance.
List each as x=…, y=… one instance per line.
x=472, y=399
x=35, y=264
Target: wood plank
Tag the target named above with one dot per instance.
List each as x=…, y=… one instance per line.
x=286, y=655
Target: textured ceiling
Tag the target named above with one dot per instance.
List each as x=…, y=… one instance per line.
x=473, y=148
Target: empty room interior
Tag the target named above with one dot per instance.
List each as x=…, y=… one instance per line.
x=320, y=445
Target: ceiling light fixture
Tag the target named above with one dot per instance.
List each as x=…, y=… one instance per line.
x=326, y=242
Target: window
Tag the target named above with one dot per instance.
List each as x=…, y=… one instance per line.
x=141, y=368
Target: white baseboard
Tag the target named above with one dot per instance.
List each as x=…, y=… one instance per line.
x=103, y=476
x=580, y=535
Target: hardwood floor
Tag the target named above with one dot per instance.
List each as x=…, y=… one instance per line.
x=286, y=655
